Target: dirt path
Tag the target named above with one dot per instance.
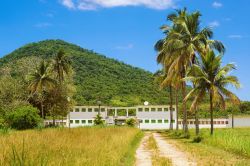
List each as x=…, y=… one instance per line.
x=166, y=149
x=143, y=155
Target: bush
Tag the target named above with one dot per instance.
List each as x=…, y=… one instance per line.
x=25, y=117
x=197, y=139
x=98, y=120
x=131, y=122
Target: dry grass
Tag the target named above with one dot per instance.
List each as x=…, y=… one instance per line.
x=81, y=146
x=224, y=148
x=157, y=160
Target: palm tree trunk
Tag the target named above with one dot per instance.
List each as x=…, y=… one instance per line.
x=42, y=110
x=171, y=107
x=197, y=129
x=211, y=113
x=176, y=105
x=185, y=127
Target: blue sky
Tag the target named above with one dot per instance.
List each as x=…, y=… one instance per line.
x=124, y=29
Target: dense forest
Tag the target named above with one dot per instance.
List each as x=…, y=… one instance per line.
x=96, y=77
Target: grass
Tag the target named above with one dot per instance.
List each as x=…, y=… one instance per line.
x=157, y=160
x=226, y=147
x=95, y=146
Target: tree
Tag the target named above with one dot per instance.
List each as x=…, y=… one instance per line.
x=61, y=66
x=210, y=77
x=41, y=82
x=98, y=120
x=184, y=41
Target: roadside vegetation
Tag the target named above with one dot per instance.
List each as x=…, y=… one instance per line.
x=110, y=146
x=225, y=147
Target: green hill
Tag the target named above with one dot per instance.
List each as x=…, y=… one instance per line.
x=96, y=76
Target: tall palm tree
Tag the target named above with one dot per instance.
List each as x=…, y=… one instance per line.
x=185, y=41
x=41, y=81
x=162, y=75
x=210, y=77
x=61, y=66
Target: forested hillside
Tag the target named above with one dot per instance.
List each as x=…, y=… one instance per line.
x=96, y=77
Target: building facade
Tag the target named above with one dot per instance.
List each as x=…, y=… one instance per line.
x=149, y=117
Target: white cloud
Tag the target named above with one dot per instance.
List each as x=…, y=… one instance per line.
x=235, y=36
x=68, y=3
x=43, y=25
x=126, y=47
x=95, y=4
x=217, y=4
x=214, y=24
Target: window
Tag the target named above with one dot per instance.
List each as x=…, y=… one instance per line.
x=153, y=121
x=165, y=121
x=140, y=109
x=146, y=121
x=153, y=109
x=226, y=122
x=83, y=121
x=165, y=109
x=77, y=121
x=90, y=110
x=159, y=109
x=173, y=121
x=159, y=121
x=83, y=109
x=77, y=110
x=222, y=122
x=71, y=121
x=146, y=109
x=90, y=121
x=102, y=109
x=96, y=110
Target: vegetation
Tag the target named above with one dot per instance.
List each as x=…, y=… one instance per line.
x=25, y=117
x=98, y=120
x=95, y=76
x=131, y=122
x=209, y=77
x=225, y=147
x=81, y=146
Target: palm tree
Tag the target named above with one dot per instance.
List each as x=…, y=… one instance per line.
x=40, y=82
x=185, y=41
x=61, y=66
x=209, y=77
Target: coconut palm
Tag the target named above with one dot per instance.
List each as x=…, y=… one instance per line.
x=61, y=65
x=210, y=77
x=185, y=41
x=40, y=82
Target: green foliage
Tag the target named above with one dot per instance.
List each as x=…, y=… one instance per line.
x=98, y=120
x=96, y=76
x=25, y=117
x=131, y=122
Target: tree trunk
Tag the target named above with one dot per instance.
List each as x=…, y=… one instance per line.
x=171, y=107
x=54, y=120
x=211, y=113
x=197, y=129
x=42, y=110
x=185, y=127
x=232, y=118
x=176, y=111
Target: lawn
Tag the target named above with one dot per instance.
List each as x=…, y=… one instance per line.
x=226, y=147
x=110, y=146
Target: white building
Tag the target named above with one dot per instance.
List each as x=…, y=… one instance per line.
x=150, y=117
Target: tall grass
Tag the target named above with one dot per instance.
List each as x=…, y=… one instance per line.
x=81, y=146
x=234, y=140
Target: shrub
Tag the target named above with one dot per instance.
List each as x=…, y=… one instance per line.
x=98, y=120
x=197, y=139
x=25, y=117
x=131, y=122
